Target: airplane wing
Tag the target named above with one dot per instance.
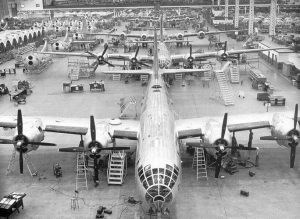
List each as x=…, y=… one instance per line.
x=182, y=71
x=130, y=72
x=67, y=54
x=183, y=57
x=125, y=129
x=241, y=51
x=210, y=32
x=188, y=127
x=115, y=34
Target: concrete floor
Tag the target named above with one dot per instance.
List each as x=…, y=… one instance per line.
x=274, y=190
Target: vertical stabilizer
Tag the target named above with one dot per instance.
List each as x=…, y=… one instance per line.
x=155, y=61
x=161, y=28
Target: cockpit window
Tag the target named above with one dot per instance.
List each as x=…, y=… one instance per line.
x=156, y=86
x=155, y=171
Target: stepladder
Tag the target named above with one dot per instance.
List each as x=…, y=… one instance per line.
x=199, y=162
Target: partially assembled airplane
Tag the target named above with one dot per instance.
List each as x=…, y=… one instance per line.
x=158, y=134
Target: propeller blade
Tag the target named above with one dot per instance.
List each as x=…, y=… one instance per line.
x=7, y=141
x=218, y=166
x=295, y=116
x=96, y=66
x=72, y=149
x=105, y=49
x=115, y=148
x=21, y=161
x=41, y=143
x=20, y=123
x=292, y=156
x=96, y=169
x=136, y=52
x=93, y=128
x=224, y=126
x=274, y=138
x=92, y=54
x=225, y=46
x=108, y=63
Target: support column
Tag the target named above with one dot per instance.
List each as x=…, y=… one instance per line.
x=272, y=26
x=226, y=10
x=237, y=14
x=251, y=17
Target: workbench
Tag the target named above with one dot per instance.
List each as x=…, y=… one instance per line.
x=11, y=203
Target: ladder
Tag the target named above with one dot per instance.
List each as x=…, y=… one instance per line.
x=178, y=77
x=234, y=73
x=31, y=168
x=125, y=106
x=225, y=90
x=116, y=77
x=81, y=175
x=200, y=163
x=117, y=168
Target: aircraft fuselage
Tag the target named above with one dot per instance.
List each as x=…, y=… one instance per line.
x=158, y=169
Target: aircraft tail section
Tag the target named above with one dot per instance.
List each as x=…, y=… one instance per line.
x=155, y=52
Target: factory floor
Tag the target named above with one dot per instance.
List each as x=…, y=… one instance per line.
x=274, y=191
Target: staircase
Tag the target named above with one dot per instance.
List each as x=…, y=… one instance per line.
x=116, y=77
x=200, y=163
x=178, y=77
x=234, y=73
x=126, y=105
x=225, y=90
x=81, y=175
x=117, y=168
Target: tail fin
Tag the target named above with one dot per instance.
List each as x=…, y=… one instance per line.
x=161, y=28
x=155, y=52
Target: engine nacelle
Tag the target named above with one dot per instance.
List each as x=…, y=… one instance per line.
x=180, y=36
x=122, y=36
x=213, y=130
x=282, y=125
x=33, y=131
x=201, y=35
x=31, y=61
x=77, y=36
x=58, y=46
x=144, y=37
x=101, y=136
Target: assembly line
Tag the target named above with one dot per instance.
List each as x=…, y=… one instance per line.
x=172, y=129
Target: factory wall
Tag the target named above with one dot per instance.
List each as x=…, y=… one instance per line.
x=24, y=5
x=3, y=9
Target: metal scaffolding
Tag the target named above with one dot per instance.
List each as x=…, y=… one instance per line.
x=251, y=17
x=272, y=17
x=236, y=13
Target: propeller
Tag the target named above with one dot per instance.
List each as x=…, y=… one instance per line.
x=100, y=59
x=94, y=148
x=21, y=141
x=292, y=137
x=134, y=60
